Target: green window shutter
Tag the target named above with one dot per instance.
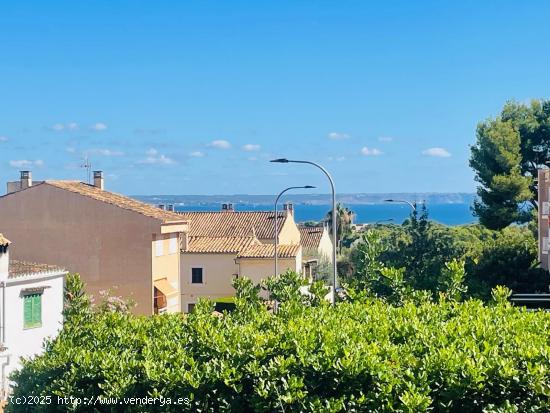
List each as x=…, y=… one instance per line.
x=32, y=308
x=27, y=309
x=37, y=310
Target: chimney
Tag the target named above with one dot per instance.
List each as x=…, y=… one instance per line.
x=4, y=258
x=99, y=182
x=227, y=207
x=26, y=179
x=288, y=207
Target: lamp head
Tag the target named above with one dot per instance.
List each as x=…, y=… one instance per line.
x=309, y=187
x=389, y=200
x=280, y=160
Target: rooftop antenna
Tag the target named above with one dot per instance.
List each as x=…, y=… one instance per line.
x=88, y=166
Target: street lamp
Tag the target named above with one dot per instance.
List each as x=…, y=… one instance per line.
x=402, y=201
x=334, y=268
x=277, y=221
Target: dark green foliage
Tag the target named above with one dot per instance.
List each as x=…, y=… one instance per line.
x=508, y=258
x=363, y=356
x=508, y=151
x=425, y=248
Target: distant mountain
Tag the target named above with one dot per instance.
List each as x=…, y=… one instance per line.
x=312, y=199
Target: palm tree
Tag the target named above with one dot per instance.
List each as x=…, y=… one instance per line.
x=344, y=220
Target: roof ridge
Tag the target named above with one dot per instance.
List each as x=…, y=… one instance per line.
x=118, y=200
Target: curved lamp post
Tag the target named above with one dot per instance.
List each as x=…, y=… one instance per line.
x=334, y=231
x=277, y=222
x=401, y=201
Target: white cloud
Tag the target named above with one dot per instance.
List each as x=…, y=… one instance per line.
x=23, y=163
x=338, y=136
x=59, y=127
x=105, y=152
x=70, y=149
x=385, y=138
x=196, y=154
x=98, y=127
x=220, y=144
x=337, y=158
x=438, y=152
x=371, y=151
x=250, y=147
x=3, y=139
x=154, y=158
x=252, y=158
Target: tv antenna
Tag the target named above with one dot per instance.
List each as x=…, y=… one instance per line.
x=88, y=166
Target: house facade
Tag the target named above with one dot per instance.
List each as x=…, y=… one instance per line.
x=114, y=242
x=316, y=242
x=222, y=245
x=543, y=217
x=31, y=306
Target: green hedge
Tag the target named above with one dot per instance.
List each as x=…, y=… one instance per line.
x=364, y=356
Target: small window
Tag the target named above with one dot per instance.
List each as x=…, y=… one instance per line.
x=174, y=244
x=159, y=247
x=32, y=309
x=196, y=275
x=190, y=307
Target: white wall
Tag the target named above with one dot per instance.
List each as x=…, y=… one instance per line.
x=218, y=271
x=21, y=342
x=325, y=245
x=259, y=269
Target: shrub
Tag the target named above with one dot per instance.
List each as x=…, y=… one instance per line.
x=508, y=258
x=358, y=356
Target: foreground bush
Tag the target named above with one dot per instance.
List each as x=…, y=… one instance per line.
x=361, y=356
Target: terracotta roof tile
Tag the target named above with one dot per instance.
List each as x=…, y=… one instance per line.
x=257, y=250
x=233, y=224
x=218, y=245
x=310, y=237
x=120, y=201
x=23, y=268
x=4, y=242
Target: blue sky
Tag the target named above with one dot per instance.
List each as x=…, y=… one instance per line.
x=194, y=97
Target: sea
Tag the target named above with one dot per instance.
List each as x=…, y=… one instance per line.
x=448, y=214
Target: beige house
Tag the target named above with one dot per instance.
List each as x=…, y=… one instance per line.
x=115, y=242
x=225, y=244
x=316, y=242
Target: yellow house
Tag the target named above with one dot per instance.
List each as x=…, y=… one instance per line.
x=115, y=242
x=225, y=244
x=316, y=242
x=317, y=251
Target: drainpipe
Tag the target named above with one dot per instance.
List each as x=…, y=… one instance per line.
x=6, y=357
x=3, y=318
x=4, y=389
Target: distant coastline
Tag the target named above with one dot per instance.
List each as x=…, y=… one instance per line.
x=430, y=198
x=448, y=208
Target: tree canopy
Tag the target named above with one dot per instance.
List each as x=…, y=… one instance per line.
x=508, y=151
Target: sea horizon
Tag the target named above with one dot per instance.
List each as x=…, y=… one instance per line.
x=309, y=207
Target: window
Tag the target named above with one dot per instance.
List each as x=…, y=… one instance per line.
x=173, y=244
x=32, y=309
x=190, y=307
x=196, y=275
x=159, y=247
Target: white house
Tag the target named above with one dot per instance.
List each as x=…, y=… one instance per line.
x=31, y=305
